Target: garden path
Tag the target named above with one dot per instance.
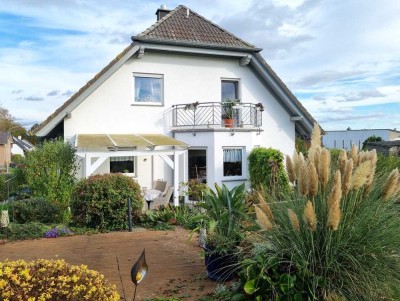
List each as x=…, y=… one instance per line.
x=176, y=267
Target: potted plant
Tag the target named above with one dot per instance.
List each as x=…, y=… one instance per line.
x=228, y=111
x=225, y=210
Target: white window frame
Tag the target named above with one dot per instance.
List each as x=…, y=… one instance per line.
x=243, y=175
x=149, y=75
x=134, y=174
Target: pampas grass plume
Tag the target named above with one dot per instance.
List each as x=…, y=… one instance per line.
x=316, y=136
x=342, y=160
x=294, y=220
x=354, y=154
x=262, y=219
x=324, y=166
x=265, y=207
x=290, y=169
x=346, y=180
x=312, y=180
x=360, y=175
x=309, y=216
x=334, y=203
x=391, y=185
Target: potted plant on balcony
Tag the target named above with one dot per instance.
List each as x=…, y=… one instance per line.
x=225, y=211
x=227, y=112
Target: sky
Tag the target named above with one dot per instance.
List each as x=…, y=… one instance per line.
x=341, y=59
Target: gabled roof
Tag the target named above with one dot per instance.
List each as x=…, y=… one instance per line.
x=177, y=32
x=185, y=27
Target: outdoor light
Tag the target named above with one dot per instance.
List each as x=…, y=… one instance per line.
x=139, y=271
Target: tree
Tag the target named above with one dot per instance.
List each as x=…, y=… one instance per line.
x=50, y=172
x=8, y=123
x=371, y=139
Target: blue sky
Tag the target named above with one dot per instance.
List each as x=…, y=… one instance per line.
x=340, y=58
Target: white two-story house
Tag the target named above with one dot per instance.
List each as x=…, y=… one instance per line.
x=156, y=111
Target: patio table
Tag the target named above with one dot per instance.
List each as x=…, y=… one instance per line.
x=150, y=195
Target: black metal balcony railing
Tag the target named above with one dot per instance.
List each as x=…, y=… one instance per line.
x=209, y=114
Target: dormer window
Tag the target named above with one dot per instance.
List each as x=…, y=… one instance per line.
x=148, y=89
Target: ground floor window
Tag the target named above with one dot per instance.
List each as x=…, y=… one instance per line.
x=122, y=164
x=233, y=161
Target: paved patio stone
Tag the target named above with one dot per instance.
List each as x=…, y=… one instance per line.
x=176, y=266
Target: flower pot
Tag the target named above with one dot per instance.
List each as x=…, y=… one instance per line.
x=219, y=267
x=229, y=122
x=4, y=219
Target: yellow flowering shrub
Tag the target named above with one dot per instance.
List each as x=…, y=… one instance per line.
x=54, y=280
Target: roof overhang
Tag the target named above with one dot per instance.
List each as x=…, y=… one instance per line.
x=115, y=142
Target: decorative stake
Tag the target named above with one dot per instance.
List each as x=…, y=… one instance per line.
x=139, y=271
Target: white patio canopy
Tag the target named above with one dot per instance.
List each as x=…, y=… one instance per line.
x=97, y=148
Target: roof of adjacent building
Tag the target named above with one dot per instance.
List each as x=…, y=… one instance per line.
x=365, y=130
x=185, y=27
x=4, y=136
x=26, y=146
x=196, y=31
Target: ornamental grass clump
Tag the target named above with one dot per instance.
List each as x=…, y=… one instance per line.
x=52, y=280
x=339, y=228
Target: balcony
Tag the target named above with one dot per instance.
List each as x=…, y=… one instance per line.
x=209, y=116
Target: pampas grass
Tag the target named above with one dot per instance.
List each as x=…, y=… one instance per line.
x=348, y=238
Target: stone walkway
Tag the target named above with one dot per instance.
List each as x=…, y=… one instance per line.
x=176, y=266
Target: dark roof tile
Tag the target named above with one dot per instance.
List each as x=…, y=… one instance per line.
x=195, y=29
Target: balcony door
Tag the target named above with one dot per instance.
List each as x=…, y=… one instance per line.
x=230, y=92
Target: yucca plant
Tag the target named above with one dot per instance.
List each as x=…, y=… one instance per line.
x=225, y=210
x=339, y=229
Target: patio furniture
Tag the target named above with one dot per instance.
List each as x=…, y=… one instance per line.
x=150, y=195
x=163, y=199
x=159, y=185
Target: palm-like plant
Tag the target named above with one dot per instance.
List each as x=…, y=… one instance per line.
x=224, y=212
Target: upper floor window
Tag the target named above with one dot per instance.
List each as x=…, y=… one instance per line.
x=229, y=90
x=148, y=89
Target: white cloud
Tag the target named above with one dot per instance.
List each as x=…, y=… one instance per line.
x=338, y=57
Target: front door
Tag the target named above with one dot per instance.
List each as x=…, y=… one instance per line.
x=197, y=165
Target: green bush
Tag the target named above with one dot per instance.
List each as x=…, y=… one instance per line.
x=34, y=210
x=23, y=231
x=101, y=201
x=267, y=171
x=50, y=172
x=386, y=164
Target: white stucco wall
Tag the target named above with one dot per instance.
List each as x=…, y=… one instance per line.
x=187, y=79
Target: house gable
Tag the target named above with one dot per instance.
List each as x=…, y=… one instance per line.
x=190, y=34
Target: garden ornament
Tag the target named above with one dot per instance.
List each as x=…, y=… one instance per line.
x=139, y=271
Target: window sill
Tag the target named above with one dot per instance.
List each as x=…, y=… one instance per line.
x=147, y=104
x=233, y=179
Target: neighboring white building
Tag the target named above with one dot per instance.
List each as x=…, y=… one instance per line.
x=156, y=110
x=21, y=146
x=345, y=139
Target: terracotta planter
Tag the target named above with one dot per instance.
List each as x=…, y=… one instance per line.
x=4, y=219
x=229, y=122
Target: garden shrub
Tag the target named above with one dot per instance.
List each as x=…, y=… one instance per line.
x=101, y=201
x=338, y=231
x=23, y=231
x=267, y=171
x=34, y=210
x=50, y=172
x=53, y=280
